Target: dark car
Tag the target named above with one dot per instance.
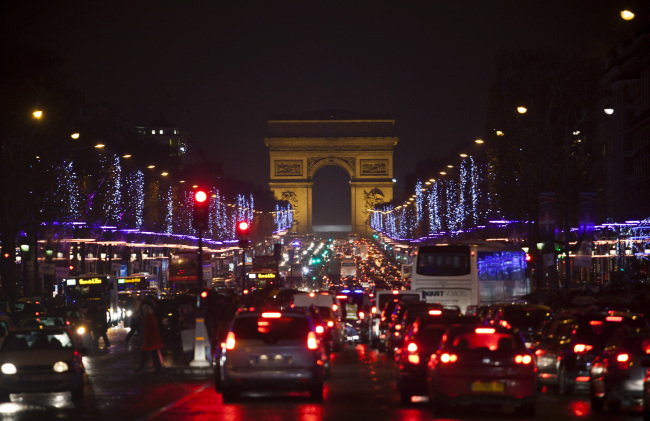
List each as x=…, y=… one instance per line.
x=571, y=342
x=527, y=319
x=420, y=340
x=404, y=318
x=478, y=364
x=617, y=373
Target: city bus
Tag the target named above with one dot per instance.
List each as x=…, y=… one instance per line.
x=184, y=273
x=137, y=282
x=84, y=291
x=470, y=275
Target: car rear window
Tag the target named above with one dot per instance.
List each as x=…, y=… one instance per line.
x=481, y=341
x=597, y=330
x=525, y=317
x=260, y=328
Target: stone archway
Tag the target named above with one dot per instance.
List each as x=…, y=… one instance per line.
x=361, y=144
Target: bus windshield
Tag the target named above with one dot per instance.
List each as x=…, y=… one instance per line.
x=443, y=261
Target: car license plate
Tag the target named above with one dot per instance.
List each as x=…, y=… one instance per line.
x=271, y=359
x=488, y=387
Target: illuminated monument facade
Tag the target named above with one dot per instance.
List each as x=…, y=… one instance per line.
x=361, y=144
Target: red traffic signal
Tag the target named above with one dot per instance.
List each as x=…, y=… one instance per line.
x=200, y=196
x=242, y=226
x=201, y=209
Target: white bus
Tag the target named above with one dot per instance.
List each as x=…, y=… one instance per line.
x=470, y=275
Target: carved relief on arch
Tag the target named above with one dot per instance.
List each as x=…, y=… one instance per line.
x=347, y=163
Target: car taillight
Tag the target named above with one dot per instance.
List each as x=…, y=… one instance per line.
x=373, y=310
x=414, y=359
x=330, y=324
x=271, y=315
x=398, y=326
x=230, y=341
x=312, y=342
x=484, y=330
x=320, y=329
x=580, y=348
x=523, y=359
x=334, y=307
x=448, y=358
x=412, y=347
x=362, y=315
x=505, y=324
x=623, y=361
x=614, y=318
x=435, y=312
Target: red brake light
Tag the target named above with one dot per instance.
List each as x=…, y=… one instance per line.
x=412, y=347
x=484, y=330
x=595, y=322
x=271, y=315
x=320, y=329
x=505, y=324
x=414, y=359
x=435, y=312
x=622, y=358
x=362, y=315
x=395, y=292
x=580, y=348
x=230, y=341
x=334, y=307
x=614, y=318
x=312, y=342
x=523, y=359
x=330, y=324
x=398, y=327
x=449, y=358
x=373, y=310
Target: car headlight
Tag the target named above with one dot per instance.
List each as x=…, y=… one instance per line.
x=8, y=368
x=81, y=330
x=60, y=367
x=128, y=313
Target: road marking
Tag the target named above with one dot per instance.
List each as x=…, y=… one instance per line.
x=173, y=404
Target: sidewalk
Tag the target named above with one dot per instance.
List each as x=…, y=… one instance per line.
x=175, y=361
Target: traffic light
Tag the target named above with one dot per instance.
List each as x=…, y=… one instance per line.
x=243, y=231
x=201, y=209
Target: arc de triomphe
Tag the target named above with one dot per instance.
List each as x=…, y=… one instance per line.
x=361, y=144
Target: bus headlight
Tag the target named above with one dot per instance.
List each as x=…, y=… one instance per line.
x=8, y=368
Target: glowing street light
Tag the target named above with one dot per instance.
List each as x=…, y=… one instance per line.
x=75, y=135
x=522, y=110
x=99, y=145
x=609, y=111
x=627, y=15
x=37, y=114
x=479, y=141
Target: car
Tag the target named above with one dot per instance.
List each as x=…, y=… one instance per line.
x=484, y=365
x=329, y=308
x=272, y=351
x=528, y=319
x=384, y=304
x=617, y=373
x=420, y=340
x=570, y=342
x=39, y=360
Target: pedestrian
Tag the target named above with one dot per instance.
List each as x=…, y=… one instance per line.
x=100, y=327
x=136, y=319
x=151, y=340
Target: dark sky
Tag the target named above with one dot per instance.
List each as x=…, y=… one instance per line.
x=219, y=69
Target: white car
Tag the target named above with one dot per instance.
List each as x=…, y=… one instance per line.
x=40, y=360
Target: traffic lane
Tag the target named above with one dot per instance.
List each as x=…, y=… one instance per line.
x=362, y=386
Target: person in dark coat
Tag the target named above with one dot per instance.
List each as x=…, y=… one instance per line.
x=151, y=340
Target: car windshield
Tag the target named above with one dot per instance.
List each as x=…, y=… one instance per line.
x=262, y=328
x=37, y=340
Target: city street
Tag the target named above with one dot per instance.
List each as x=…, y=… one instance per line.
x=361, y=387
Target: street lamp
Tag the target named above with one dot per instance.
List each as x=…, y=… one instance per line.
x=37, y=114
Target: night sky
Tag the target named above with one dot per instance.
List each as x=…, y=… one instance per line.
x=219, y=69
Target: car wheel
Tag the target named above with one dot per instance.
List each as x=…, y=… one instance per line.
x=439, y=406
x=229, y=394
x=565, y=383
x=404, y=397
x=316, y=392
x=527, y=409
x=217, y=380
x=78, y=393
x=612, y=401
x=596, y=402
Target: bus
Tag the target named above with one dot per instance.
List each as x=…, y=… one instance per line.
x=183, y=271
x=84, y=291
x=348, y=268
x=470, y=275
x=137, y=282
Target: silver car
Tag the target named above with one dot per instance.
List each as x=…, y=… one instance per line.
x=40, y=360
x=271, y=351
x=617, y=374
